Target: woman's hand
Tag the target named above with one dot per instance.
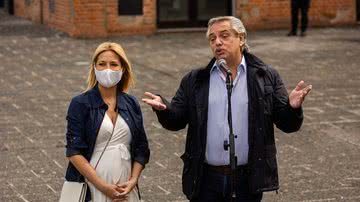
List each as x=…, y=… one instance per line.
x=89, y=172
x=110, y=190
x=126, y=187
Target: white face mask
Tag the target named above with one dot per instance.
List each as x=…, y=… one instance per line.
x=107, y=77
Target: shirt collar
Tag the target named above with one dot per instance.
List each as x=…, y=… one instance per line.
x=241, y=68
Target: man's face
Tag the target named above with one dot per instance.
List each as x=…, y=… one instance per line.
x=225, y=43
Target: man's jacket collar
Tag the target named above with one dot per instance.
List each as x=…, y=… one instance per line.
x=251, y=60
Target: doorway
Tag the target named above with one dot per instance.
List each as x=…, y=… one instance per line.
x=9, y=6
x=190, y=13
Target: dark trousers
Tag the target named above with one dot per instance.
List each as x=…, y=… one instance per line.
x=216, y=188
x=303, y=6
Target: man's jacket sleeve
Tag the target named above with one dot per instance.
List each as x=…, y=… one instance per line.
x=175, y=116
x=285, y=117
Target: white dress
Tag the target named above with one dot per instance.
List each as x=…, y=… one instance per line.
x=115, y=164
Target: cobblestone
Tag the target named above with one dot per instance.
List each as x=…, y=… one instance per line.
x=41, y=69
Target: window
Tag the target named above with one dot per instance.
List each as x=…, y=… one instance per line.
x=130, y=7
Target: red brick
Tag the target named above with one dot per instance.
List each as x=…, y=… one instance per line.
x=79, y=18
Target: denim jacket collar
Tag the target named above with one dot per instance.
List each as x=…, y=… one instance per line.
x=96, y=100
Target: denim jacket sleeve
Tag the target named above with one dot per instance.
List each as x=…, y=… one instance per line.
x=75, y=133
x=140, y=147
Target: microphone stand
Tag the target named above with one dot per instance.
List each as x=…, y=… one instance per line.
x=233, y=158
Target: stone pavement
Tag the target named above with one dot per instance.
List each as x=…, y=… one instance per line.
x=41, y=69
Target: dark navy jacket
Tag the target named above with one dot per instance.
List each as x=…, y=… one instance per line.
x=85, y=115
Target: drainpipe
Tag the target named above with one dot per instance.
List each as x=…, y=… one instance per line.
x=233, y=8
x=41, y=12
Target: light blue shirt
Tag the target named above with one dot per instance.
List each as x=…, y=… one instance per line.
x=217, y=125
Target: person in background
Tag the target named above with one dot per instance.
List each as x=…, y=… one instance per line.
x=303, y=6
x=106, y=142
x=259, y=100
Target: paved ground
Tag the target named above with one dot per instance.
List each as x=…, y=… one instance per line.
x=41, y=69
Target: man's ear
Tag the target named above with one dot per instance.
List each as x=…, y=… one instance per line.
x=242, y=39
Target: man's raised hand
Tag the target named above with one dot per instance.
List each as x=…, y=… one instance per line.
x=154, y=101
x=297, y=96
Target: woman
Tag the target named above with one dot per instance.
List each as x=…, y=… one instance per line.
x=106, y=140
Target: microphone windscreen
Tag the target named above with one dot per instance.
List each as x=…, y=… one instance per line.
x=221, y=62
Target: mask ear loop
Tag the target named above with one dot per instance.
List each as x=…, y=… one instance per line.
x=94, y=66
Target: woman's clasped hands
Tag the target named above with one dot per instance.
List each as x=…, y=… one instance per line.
x=119, y=192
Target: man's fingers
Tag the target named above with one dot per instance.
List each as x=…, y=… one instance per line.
x=150, y=102
x=162, y=107
x=304, y=93
x=307, y=89
x=299, y=86
x=154, y=103
x=150, y=95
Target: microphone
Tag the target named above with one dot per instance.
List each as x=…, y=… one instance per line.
x=222, y=64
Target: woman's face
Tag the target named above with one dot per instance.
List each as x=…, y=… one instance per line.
x=108, y=60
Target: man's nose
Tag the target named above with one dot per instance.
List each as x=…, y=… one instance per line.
x=218, y=41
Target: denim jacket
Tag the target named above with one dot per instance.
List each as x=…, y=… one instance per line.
x=85, y=115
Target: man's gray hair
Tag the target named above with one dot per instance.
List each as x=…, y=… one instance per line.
x=235, y=24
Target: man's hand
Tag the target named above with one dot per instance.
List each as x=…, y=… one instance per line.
x=297, y=96
x=154, y=101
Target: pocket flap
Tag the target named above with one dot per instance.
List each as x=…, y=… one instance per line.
x=268, y=90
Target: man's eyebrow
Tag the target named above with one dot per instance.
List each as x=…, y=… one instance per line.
x=225, y=30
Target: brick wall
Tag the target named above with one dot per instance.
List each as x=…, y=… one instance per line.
x=59, y=15
x=100, y=18
x=333, y=12
x=140, y=24
x=88, y=18
x=276, y=13
x=29, y=9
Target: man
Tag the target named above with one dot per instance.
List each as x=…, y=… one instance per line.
x=259, y=99
x=303, y=5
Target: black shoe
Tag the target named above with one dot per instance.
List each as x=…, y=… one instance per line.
x=291, y=33
x=303, y=34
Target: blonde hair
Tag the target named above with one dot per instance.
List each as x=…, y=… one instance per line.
x=127, y=79
x=235, y=24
